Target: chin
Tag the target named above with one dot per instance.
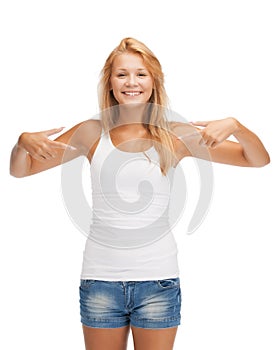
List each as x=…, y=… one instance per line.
x=133, y=102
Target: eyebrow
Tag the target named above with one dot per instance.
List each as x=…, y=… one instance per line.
x=126, y=69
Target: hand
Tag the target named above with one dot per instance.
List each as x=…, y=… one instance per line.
x=217, y=131
x=39, y=146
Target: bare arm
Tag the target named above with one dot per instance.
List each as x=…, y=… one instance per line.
x=211, y=143
x=34, y=152
x=20, y=161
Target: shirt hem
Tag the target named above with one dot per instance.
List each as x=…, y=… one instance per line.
x=110, y=279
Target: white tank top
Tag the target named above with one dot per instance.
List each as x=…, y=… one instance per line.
x=130, y=237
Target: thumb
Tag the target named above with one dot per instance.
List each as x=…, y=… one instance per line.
x=53, y=131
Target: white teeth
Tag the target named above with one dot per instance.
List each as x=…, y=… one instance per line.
x=132, y=93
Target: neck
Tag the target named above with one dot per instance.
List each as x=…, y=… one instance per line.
x=131, y=114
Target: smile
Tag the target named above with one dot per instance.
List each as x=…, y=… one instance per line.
x=132, y=93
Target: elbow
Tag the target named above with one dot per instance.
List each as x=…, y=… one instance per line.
x=17, y=174
x=265, y=161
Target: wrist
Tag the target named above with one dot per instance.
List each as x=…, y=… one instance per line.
x=236, y=125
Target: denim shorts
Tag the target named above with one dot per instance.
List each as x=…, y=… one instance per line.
x=145, y=304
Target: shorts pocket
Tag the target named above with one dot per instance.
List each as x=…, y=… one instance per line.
x=86, y=284
x=169, y=283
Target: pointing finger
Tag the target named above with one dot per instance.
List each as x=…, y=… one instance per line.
x=53, y=131
x=62, y=145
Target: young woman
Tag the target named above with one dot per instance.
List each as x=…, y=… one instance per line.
x=125, y=286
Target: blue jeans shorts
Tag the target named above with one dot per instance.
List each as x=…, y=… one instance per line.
x=146, y=304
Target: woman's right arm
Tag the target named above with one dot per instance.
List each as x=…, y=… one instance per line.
x=35, y=152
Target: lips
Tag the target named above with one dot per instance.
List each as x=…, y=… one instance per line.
x=132, y=93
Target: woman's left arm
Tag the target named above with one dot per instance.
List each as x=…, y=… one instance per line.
x=247, y=151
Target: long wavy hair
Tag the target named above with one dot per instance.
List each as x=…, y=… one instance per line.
x=155, y=119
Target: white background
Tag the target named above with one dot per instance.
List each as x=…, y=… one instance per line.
x=219, y=60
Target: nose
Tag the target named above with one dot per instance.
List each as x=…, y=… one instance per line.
x=131, y=80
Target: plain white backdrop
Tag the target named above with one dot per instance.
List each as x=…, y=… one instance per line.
x=219, y=60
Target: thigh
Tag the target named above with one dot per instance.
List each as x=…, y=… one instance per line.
x=102, y=304
x=106, y=338
x=153, y=339
x=157, y=304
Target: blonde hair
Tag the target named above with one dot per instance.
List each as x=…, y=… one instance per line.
x=156, y=122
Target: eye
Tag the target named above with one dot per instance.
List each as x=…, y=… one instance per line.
x=120, y=75
x=142, y=74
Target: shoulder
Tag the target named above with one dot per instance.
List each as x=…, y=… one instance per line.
x=85, y=134
x=180, y=128
x=94, y=125
x=90, y=132
x=88, y=129
x=180, y=134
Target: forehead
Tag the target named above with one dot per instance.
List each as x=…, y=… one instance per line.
x=128, y=61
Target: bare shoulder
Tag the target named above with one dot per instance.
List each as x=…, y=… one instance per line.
x=181, y=129
x=186, y=138
x=91, y=128
x=83, y=136
x=90, y=131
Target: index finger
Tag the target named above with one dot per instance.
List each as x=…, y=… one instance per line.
x=62, y=145
x=53, y=131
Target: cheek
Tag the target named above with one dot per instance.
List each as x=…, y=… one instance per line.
x=115, y=85
x=150, y=88
x=111, y=84
x=150, y=85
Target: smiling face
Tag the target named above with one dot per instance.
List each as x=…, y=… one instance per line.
x=130, y=80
